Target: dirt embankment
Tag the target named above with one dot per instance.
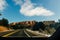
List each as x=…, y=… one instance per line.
x=3, y=28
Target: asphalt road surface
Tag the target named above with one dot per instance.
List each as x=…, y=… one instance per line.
x=20, y=33
x=17, y=33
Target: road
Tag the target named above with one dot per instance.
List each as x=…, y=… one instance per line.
x=18, y=33
x=3, y=33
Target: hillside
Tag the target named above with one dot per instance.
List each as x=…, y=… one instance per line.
x=3, y=28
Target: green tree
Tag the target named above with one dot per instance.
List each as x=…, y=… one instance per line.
x=38, y=25
x=5, y=22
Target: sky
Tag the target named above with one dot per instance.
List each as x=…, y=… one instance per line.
x=26, y=10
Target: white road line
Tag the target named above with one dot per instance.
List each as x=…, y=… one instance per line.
x=10, y=33
x=27, y=34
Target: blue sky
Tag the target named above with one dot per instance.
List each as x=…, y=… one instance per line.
x=23, y=10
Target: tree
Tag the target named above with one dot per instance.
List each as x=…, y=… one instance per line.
x=5, y=22
x=38, y=25
x=0, y=22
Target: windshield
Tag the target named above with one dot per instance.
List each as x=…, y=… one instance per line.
x=29, y=18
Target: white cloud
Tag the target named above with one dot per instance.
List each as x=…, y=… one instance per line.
x=28, y=9
x=18, y=2
x=3, y=4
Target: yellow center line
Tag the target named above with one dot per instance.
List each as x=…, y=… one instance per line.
x=10, y=33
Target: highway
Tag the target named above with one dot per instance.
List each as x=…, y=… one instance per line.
x=3, y=33
x=19, y=33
